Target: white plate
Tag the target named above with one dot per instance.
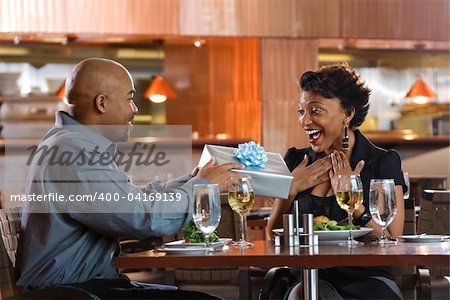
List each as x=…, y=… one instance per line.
x=340, y=235
x=425, y=238
x=185, y=248
x=183, y=243
x=333, y=235
x=280, y=231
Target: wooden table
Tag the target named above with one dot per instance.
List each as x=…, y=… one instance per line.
x=265, y=255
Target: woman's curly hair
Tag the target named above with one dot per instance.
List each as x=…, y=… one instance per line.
x=340, y=81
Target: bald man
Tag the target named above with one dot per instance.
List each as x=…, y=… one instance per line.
x=74, y=243
x=101, y=93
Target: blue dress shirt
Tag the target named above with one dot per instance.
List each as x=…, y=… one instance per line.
x=63, y=243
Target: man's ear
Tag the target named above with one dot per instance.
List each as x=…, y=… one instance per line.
x=100, y=103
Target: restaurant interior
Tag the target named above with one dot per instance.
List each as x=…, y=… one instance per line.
x=229, y=69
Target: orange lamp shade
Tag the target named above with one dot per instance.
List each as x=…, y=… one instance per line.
x=61, y=92
x=420, y=92
x=159, y=90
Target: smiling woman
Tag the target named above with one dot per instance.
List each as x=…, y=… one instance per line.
x=334, y=101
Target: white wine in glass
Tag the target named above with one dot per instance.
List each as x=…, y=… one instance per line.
x=207, y=209
x=349, y=196
x=383, y=205
x=241, y=198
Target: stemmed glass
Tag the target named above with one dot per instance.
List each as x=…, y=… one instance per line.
x=207, y=210
x=383, y=205
x=349, y=196
x=408, y=185
x=241, y=199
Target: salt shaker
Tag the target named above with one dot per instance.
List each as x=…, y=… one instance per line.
x=288, y=227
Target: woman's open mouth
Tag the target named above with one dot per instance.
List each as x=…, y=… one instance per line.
x=313, y=135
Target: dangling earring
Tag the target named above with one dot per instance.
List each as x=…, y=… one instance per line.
x=345, y=138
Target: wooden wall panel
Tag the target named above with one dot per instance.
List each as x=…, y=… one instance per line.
x=218, y=87
x=186, y=69
x=235, y=88
x=283, y=61
x=383, y=19
x=90, y=17
x=289, y=18
x=260, y=18
x=406, y=19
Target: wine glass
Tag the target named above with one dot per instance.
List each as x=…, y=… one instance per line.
x=349, y=196
x=241, y=199
x=383, y=205
x=207, y=209
x=408, y=186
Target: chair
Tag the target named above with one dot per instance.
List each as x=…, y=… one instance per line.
x=10, y=229
x=434, y=219
x=278, y=281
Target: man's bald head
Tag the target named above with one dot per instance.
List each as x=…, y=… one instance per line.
x=89, y=79
x=93, y=76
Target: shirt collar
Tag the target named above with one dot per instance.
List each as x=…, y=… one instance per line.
x=63, y=119
x=361, y=150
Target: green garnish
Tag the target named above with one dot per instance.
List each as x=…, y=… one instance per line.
x=333, y=225
x=193, y=235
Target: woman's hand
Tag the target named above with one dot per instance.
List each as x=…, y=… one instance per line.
x=306, y=176
x=341, y=166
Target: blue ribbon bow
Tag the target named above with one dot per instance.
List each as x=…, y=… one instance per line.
x=251, y=155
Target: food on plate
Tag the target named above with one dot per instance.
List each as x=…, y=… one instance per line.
x=194, y=235
x=321, y=219
x=323, y=223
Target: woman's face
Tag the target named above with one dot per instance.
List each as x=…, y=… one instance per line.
x=323, y=121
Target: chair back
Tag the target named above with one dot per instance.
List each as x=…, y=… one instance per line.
x=9, y=230
x=229, y=226
x=434, y=219
x=434, y=212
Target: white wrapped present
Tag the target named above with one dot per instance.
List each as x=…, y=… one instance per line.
x=272, y=179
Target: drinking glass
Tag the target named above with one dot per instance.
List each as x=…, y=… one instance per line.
x=408, y=186
x=241, y=199
x=383, y=205
x=349, y=196
x=207, y=209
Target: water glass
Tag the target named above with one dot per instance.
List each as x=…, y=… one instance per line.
x=408, y=185
x=383, y=205
x=207, y=209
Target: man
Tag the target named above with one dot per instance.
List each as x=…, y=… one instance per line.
x=62, y=244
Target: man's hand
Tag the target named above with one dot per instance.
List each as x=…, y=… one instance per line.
x=219, y=174
x=306, y=177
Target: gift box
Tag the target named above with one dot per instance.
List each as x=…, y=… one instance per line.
x=272, y=180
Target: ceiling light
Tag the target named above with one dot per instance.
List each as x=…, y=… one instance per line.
x=420, y=92
x=159, y=90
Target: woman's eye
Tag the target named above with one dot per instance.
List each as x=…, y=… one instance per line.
x=301, y=112
x=315, y=111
